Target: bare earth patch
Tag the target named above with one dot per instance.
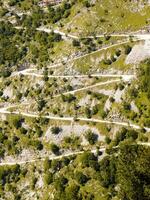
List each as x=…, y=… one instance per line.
x=139, y=53
x=76, y=130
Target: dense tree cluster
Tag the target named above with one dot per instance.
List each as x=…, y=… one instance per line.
x=133, y=172
x=125, y=175
x=9, y=175
x=91, y=137
x=56, y=14
x=140, y=95
x=144, y=77
x=9, y=52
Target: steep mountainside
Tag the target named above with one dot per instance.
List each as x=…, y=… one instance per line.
x=74, y=100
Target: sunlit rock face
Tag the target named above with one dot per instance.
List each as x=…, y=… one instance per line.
x=139, y=52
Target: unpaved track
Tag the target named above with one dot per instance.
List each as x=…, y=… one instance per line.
x=33, y=115
x=126, y=78
x=144, y=143
x=143, y=36
x=88, y=54
x=123, y=76
x=52, y=157
x=73, y=59
x=88, y=87
x=139, y=37
x=17, y=73
x=64, y=35
x=48, y=30
x=104, y=48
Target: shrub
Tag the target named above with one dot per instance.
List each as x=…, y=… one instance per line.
x=54, y=148
x=17, y=122
x=88, y=112
x=121, y=86
x=118, y=52
x=107, y=37
x=23, y=130
x=91, y=137
x=88, y=159
x=75, y=43
x=111, y=99
x=47, y=164
x=37, y=144
x=127, y=106
x=48, y=178
x=72, y=191
x=86, y=3
x=55, y=130
x=107, y=140
x=81, y=178
x=60, y=183
x=128, y=49
x=107, y=62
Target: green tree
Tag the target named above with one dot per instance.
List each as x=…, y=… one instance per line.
x=133, y=173
x=48, y=178
x=91, y=137
x=60, y=183
x=47, y=164
x=75, y=43
x=54, y=148
x=81, y=178
x=128, y=49
x=72, y=192
x=55, y=130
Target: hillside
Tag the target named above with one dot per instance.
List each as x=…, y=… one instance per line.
x=74, y=100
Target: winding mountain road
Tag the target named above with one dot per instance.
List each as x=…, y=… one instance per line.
x=34, y=115
x=136, y=37
x=56, y=65
x=141, y=36
x=88, y=87
x=52, y=157
x=123, y=76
